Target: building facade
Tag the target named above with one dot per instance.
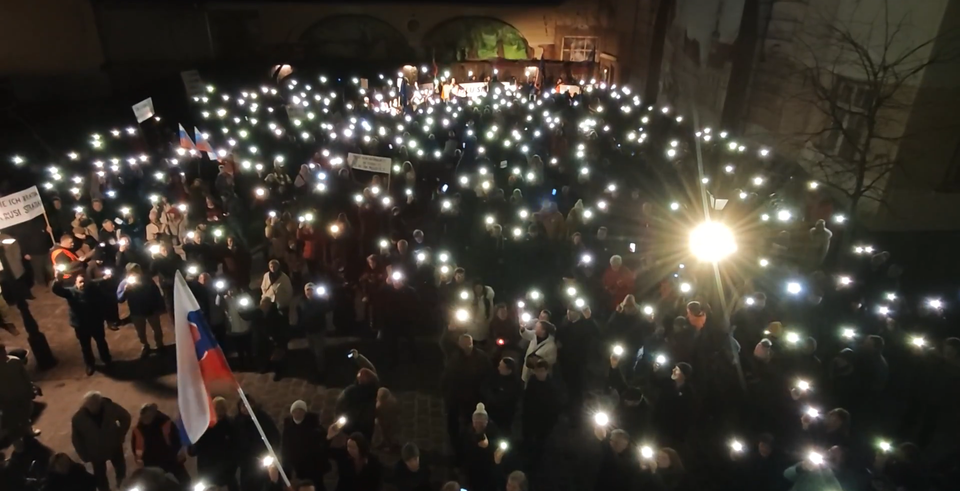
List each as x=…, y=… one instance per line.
x=787, y=73
x=91, y=46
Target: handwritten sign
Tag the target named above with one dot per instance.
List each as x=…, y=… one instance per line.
x=369, y=163
x=143, y=110
x=19, y=207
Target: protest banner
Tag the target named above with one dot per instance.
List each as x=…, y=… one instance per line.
x=20, y=206
x=143, y=110
x=370, y=163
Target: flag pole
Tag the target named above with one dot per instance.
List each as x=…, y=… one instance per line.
x=253, y=416
x=49, y=228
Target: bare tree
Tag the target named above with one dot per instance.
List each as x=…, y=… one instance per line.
x=862, y=83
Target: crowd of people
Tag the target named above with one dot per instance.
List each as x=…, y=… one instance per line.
x=540, y=238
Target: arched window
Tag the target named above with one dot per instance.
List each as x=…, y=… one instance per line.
x=476, y=38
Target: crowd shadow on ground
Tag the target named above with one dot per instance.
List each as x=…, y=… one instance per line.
x=420, y=373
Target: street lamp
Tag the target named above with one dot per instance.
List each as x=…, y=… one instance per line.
x=712, y=241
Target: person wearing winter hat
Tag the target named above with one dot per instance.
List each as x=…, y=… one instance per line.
x=302, y=450
x=408, y=474
x=479, y=443
x=674, y=409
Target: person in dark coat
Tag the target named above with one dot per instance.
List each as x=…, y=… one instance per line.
x=303, y=449
x=479, y=442
x=358, y=403
x=502, y=394
x=155, y=442
x=541, y=403
x=215, y=451
x=675, y=406
x=575, y=339
x=145, y=304
x=249, y=446
x=617, y=462
x=357, y=468
x=461, y=383
x=408, y=474
x=165, y=266
x=269, y=330
x=399, y=314
x=66, y=475
x=85, y=300
x=312, y=320
x=98, y=430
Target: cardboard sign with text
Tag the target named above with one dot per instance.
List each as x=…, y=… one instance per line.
x=20, y=206
x=369, y=163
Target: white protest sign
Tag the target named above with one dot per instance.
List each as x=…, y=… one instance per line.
x=472, y=89
x=143, y=110
x=295, y=111
x=20, y=206
x=370, y=163
x=571, y=89
x=193, y=83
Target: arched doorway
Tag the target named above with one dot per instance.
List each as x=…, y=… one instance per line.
x=359, y=37
x=476, y=38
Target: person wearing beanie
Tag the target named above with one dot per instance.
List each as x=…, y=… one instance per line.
x=303, y=449
x=479, y=442
x=674, y=407
x=408, y=473
x=463, y=378
x=695, y=315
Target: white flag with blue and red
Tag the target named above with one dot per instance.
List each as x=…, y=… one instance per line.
x=202, y=368
x=185, y=141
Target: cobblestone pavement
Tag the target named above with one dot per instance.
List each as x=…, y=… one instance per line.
x=132, y=382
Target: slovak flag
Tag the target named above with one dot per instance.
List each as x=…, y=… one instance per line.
x=202, y=368
x=185, y=141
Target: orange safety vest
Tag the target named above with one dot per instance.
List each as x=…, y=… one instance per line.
x=56, y=252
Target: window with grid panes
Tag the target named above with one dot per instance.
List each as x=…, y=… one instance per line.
x=579, y=48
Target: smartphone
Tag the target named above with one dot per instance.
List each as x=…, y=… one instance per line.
x=350, y=354
x=553, y=192
x=118, y=221
x=633, y=247
x=443, y=189
x=464, y=145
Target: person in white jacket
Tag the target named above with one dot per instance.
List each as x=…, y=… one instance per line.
x=542, y=345
x=277, y=287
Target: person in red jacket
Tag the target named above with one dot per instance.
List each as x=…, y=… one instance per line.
x=618, y=281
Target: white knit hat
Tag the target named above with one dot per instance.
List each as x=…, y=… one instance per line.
x=481, y=411
x=298, y=405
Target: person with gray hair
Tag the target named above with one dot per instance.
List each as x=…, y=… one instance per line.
x=99, y=428
x=517, y=481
